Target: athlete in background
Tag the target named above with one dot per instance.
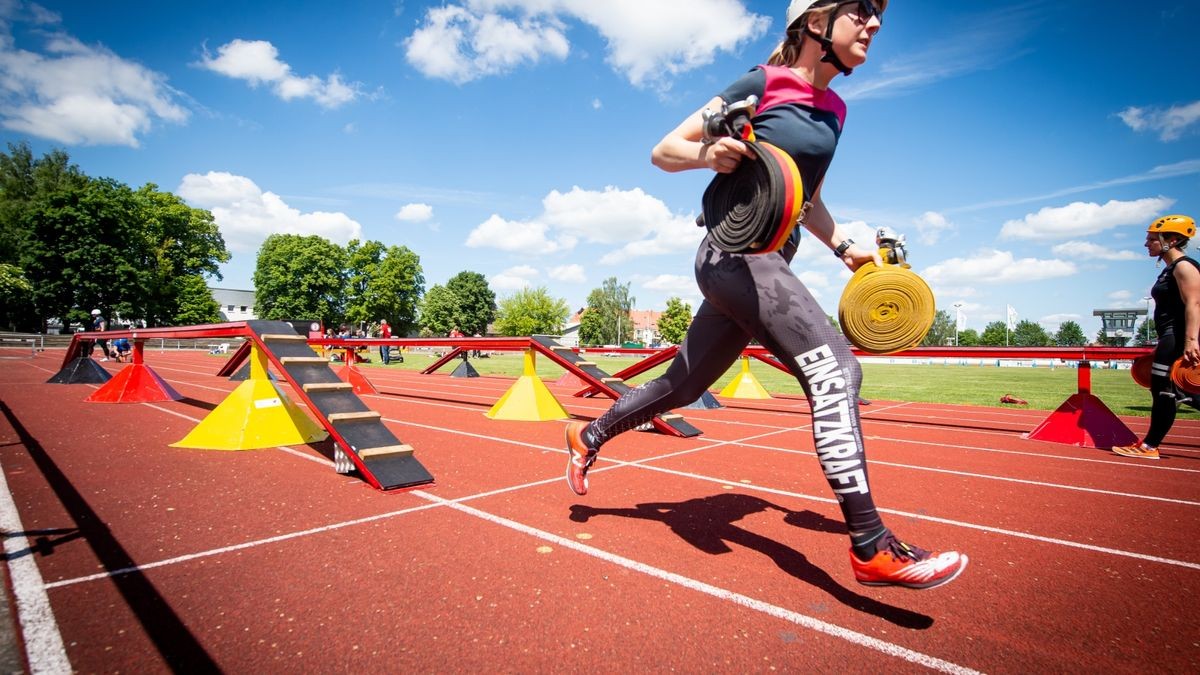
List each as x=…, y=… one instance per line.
x=758, y=296
x=1176, y=295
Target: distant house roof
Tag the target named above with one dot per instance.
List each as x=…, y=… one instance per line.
x=231, y=296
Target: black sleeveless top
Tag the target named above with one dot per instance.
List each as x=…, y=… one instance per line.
x=1168, y=303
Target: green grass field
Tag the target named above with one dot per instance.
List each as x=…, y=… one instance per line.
x=1043, y=388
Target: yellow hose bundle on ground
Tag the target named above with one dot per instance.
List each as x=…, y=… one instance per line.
x=886, y=309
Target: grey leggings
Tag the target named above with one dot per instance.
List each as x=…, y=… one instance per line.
x=758, y=296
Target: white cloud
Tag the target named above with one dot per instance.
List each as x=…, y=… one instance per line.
x=648, y=42
x=1079, y=219
x=79, y=94
x=246, y=215
x=1086, y=250
x=1120, y=296
x=459, y=45
x=930, y=227
x=514, y=278
x=570, y=274
x=414, y=213
x=641, y=222
x=257, y=62
x=672, y=284
x=1169, y=123
x=995, y=267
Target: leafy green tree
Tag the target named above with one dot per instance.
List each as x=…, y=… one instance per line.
x=674, y=322
x=968, y=338
x=1029, y=334
x=194, y=301
x=531, y=311
x=606, y=318
x=1070, y=335
x=1147, y=332
x=16, y=295
x=24, y=180
x=300, y=277
x=994, y=335
x=476, y=302
x=78, y=255
x=174, y=243
x=438, y=311
x=941, y=332
x=383, y=283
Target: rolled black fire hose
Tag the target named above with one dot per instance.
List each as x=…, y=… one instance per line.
x=755, y=208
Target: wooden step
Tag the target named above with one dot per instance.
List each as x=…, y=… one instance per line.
x=386, y=451
x=301, y=360
x=670, y=416
x=606, y=380
x=364, y=416
x=560, y=348
x=278, y=337
x=584, y=363
x=327, y=386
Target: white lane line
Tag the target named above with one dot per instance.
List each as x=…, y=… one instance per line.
x=39, y=630
x=853, y=637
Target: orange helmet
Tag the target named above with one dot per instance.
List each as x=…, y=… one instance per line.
x=1181, y=225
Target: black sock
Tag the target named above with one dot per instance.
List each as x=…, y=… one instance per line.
x=589, y=438
x=867, y=545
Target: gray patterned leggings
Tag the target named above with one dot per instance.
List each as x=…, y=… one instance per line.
x=758, y=296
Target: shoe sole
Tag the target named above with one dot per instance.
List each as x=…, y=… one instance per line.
x=922, y=587
x=1153, y=457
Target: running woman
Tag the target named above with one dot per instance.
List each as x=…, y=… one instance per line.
x=1176, y=295
x=758, y=296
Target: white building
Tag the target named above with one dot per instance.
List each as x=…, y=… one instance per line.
x=234, y=305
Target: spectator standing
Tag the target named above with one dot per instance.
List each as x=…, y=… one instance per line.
x=385, y=351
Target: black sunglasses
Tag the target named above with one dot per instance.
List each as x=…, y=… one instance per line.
x=865, y=11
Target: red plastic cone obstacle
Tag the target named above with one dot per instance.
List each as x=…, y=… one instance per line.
x=1085, y=421
x=350, y=373
x=135, y=383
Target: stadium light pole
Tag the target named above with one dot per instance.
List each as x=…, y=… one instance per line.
x=1147, y=299
x=957, y=310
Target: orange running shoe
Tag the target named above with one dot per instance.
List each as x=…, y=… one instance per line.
x=579, y=458
x=898, y=564
x=1139, y=450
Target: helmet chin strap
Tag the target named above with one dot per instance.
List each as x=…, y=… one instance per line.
x=826, y=41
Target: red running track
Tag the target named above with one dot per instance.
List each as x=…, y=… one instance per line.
x=718, y=553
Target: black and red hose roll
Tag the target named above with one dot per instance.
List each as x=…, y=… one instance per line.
x=754, y=209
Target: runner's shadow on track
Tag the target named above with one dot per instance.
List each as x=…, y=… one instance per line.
x=180, y=649
x=708, y=523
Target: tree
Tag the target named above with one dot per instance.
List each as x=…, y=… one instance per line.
x=383, y=283
x=300, y=277
x=968, y=338
x=16, y=295
x=531, y=312
x=438, y=310
x=674, y=322
x=941, y=332
x=476, y=302
x=175, y=243
x=1147, y=333
x=994, y=334
x=1029, y=334
x=78, y=255
x=195, y=303
x=1070, y=335
x=606, y=318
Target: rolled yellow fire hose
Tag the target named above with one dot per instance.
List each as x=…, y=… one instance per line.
x=886, y=309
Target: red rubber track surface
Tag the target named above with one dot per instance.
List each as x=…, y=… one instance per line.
x=724, y=552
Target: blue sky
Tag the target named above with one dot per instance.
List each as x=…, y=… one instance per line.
x=1022, y=147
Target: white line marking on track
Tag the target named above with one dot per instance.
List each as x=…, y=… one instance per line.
x=39, y=630
x=748, y=602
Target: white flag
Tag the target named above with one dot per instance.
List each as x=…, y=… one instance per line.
x=1012, y=318
x=960, y=321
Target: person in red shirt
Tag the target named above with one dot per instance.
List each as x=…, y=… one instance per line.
x=385, y=351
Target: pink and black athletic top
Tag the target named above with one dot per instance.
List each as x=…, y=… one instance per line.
x=804, y=121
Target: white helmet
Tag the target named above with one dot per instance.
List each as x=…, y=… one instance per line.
x=797, y=8
x=95, y=312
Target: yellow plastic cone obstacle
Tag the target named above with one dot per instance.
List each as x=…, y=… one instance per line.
x=255, y=415
x=528, y=400
x=745, y=385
